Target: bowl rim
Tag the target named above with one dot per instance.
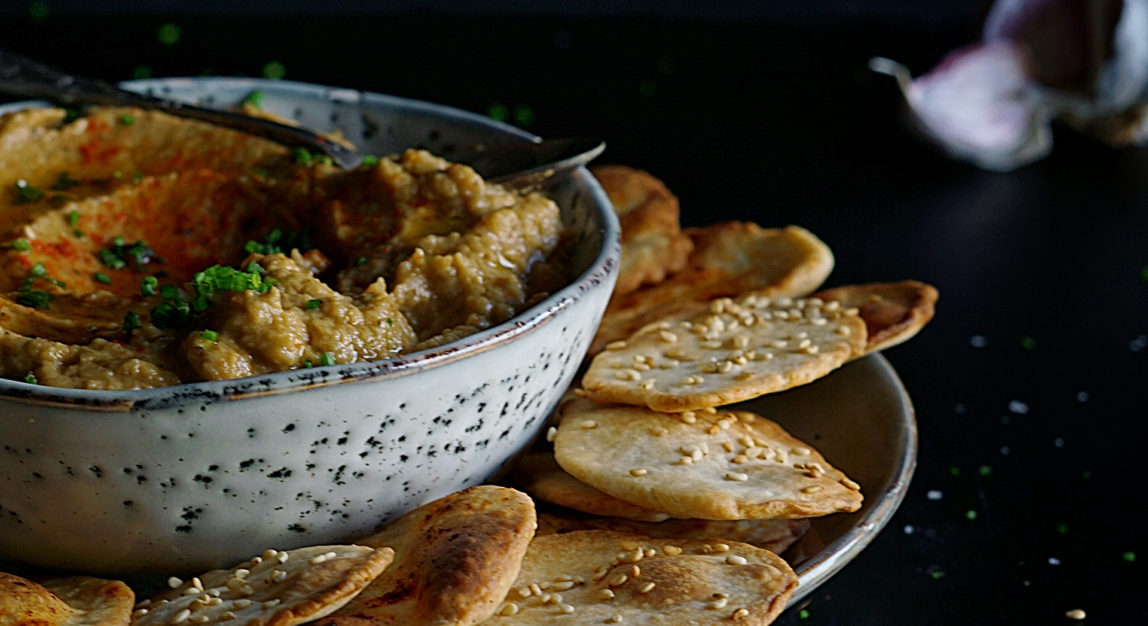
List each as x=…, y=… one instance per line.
x=601, y=270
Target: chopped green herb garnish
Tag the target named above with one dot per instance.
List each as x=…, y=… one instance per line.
x=26, y=193
x=307, y=363
x=78, y=233
x=71, y=114
x=1129, y=557
x=148, y=285
x=255, y=268
x=1062, y=529
x=313, y=304
x=119, y=254
x=1144, y=274
x=303, y=157
x=267, y=246
x=137, y=178
x=172, y=312
x=131, y=322
x=223, y=278
x=323, y=158
x=210, y=335
x=38, y=270
x=970, y=514
x=30, y=378
x=127, y=119
x=954, y=470
x=369, y=160
x=360, y=261
x=169, y=34
x=103, y=278
x=64, y=182
x=327, y=359
x=109, y=259
x=803, y=614
x=390, y=322
x=1028, y=343
x=118, y=174
x=274, y=70
x=936, y=575
x=22, y=245
x=34, y=298
x=255, y=99
x=985, y=470
x=73, y=218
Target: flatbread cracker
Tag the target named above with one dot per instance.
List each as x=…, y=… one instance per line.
x=653, y=244
x=74, y=601
x=730, y=259
x=735, y=351
x=274, y=589
x=455, y=559
x=893, y=312
x=542, y=477
x=604, y=577
x=774, y=535
x=720, y=465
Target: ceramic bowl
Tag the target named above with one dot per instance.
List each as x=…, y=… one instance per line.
x=203, y=475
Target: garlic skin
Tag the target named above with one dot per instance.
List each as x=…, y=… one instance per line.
x=992, y=102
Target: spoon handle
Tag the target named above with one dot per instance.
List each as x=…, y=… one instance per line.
x=24, y=77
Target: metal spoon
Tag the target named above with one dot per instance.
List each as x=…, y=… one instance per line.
x=514, y=163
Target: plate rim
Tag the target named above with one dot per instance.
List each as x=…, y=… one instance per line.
x=833, y=557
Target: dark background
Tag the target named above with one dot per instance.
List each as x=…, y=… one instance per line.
x=1030, y=383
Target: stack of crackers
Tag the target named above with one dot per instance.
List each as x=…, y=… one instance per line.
x=661, y=502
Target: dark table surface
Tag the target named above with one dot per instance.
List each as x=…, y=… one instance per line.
x=1027, y=385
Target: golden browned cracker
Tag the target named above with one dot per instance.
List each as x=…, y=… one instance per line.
x=653, y=244
x=73, y=601
x=729, y=259
x=542, y=477
x=893, y=312
x=605, y=577
x=273, y=589
x=455, y=559
x=774, y=535
x=718, y=465
x=734, y=351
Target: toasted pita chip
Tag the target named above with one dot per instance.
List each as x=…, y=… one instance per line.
x=729, y=259
x=542, y=477
x=653, y=245
x=893, y=312
x=275, y=589
x=774, y=535
x=604, y=577
x=737, y=350
x=719, y=465
x=455, y=560
x=75, y=601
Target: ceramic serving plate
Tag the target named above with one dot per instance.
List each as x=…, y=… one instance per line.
x=860, y=418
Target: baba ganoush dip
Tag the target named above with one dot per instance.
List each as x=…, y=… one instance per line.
x=141, y=250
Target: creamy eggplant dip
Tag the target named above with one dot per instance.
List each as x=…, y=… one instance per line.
x=141, y=250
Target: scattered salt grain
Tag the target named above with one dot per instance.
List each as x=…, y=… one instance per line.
x=909, y=529
x=1082, y=396
x=978, y=341
x=934, y=494
x=1018, y=407
x=1052, y=560
x=1138, y=344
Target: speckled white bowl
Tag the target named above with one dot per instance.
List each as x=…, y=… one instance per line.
x=203, y=475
